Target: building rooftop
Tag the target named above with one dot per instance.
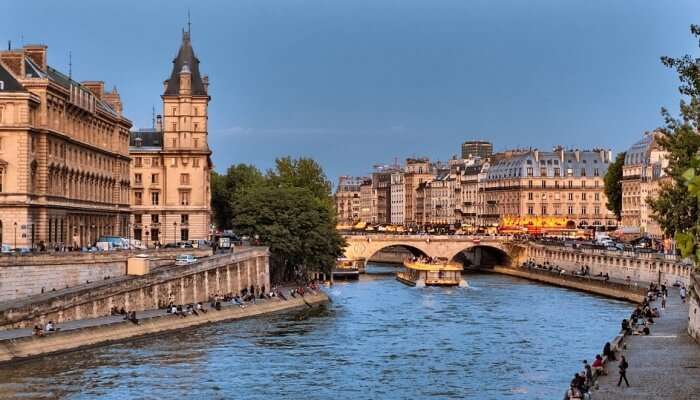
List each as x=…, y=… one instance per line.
x=185, y=61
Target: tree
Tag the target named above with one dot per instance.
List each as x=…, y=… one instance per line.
x=225, y=187
x=297, y=226
x=688, y=241
x=613, y=185
x=675, y=209
x=301, y=173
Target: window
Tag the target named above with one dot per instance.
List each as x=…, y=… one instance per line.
x=596, y=210
x=571, y=184
x=196, y=143
x=184, y=179
x=556, y=172
x=174, y=110
x=155, y=198
x=583, y=210
x=529, y=210
x=543, y=171
x=571, y=210
x=138, y=198
x=174, y=142
x=596, y=172
x=154, y=179
x=583, y=172
x=529, y=171
x=529, y=184
x=184, y=219
x=583, y=196
x=137, y=162
x=583, y=184
x=529, y=196
x=156, y=162
x=155, y=218
x=2, y=178
x=569, y=171
x=556, y=184
x=184, y=198
x=544, y=210
x=137, y=218
x=596, y=196
x=544, y=184
x=137, y=179
x=196, y=126
x=571, y=197
x=184, y=234
x=195, y=162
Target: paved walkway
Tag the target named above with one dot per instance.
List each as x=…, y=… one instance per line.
x=663, y=365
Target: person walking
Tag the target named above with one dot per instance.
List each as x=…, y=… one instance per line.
x=663, y=301
x=683, y=293
x=623, y=371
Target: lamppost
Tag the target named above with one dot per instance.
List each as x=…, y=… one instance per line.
x=15, y=234
x=175, y=231
x=147, y=234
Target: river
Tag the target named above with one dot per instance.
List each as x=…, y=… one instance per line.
x=501, y=338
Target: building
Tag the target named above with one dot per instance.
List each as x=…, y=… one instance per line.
x=347, y=199
x=440, y=204
x=64, y=160
x=477, y=148
x=416, y=172
x=398, y=198
x=381, y=186
x=468, y=202
x=561, y=189
x=171, y=162
x=642, y=174
x=368, y=202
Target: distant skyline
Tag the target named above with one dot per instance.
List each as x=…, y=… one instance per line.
x=358, y=83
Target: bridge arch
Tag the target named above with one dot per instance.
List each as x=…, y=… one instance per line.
x=483, y=255
x=413, y=250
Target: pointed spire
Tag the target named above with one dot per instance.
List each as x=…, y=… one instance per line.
x=186, y=62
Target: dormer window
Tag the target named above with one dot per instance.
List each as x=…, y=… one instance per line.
x=138, y=142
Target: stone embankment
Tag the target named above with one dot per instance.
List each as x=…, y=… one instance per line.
x=31, y=274
x=694, y=307
x=184, y=284
x=613, y=289
x=21, y=344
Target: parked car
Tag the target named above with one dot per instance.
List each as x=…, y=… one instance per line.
x=112, y=243
x=185, y=259
x=6, y=248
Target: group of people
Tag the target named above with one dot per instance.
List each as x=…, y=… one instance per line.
x=584, y=381
x=48, y=328
x=128, y=315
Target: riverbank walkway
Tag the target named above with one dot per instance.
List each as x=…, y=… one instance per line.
x=662, y=365
x=142, y=316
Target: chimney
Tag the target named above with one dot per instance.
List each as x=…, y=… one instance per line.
x=205, y=81
x=112, y=98
x=96, y=87
x=13, y=61
x=37, y=52
x=159, y=123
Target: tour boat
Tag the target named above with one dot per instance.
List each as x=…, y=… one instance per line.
x=424, y=273
x=346, y=268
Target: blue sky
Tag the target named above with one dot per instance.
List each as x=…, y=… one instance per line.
x=355, y=83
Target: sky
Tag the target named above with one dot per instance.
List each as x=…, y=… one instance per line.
x=355, y=83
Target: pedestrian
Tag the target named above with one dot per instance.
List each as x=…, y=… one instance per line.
x=663, y=301
x=623, y=371
x=683, y=293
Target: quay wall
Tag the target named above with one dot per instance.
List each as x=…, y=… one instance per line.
x=30, y=274
x=619, y=265
x=694, y=308
x=29, y=347
x=222, y=273
x=608, y=289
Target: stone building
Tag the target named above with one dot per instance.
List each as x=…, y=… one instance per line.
x=171, y=162
x=368, y=202
x=398, y=198
x=416, y=172
x=477, y=148
x=440, y=204
x=557, y=189
x=64, y=159
x=468, y=202
x=347, y=199
x=642, y=174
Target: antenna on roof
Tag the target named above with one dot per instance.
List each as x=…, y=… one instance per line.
x=70, y=65
x=189, y=24
x=9, y=45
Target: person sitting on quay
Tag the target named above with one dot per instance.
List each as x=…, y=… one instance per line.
x=200, y=308
x=598, y=366
x=573, y=393
x=587, y=374
x=50, y=327
x=38, y=331
x=237, y=301
x=608, y=352
x=132, y=318
x=626, y=329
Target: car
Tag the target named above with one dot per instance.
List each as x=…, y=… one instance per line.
x=6, y=248
x=185, y=259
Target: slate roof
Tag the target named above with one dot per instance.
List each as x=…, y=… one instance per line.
x=187, y=60
x=147, y=138
x=517, y=166
x=10, y=84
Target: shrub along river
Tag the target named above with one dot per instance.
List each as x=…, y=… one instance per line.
x=501, y=338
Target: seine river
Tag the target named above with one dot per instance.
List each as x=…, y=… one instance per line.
x=501, y=338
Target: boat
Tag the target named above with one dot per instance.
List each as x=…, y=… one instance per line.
x=431, y=273
x=346, y=268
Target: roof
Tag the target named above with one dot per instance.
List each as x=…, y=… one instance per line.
x=566, y=162
x=146, y=137
x=420, y=266
x=9, y=83
x=185, y=61
x=638, y=153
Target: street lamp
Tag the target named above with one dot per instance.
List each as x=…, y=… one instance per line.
x=175, y=231
x=15, y=234
x=147, y=234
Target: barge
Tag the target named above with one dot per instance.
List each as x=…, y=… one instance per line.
x=431, y=273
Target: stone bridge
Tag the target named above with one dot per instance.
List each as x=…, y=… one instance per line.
x=501, y=250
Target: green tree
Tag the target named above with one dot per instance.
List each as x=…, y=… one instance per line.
x=301, y=173
x=297, y=226
x=613, y=185
x=688, y=241
x=675, y=209
x=224, y=189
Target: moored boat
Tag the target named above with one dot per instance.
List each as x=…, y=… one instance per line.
x=431, y=273
x=346, y=268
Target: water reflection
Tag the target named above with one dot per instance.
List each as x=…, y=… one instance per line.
x=502, y=338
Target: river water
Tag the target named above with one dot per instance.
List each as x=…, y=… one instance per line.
x=501, y=338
